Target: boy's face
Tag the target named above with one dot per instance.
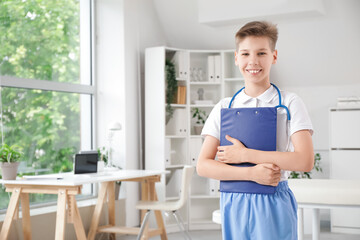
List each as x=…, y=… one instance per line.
x=254, y=59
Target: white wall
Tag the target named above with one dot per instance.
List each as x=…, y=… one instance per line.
x=123, y=28
x=318, y=54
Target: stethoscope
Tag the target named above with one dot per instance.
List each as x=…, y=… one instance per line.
x=278, y=106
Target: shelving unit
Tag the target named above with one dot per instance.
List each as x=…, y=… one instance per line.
x=174, y=144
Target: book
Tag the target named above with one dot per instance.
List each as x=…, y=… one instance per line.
x=181, y=95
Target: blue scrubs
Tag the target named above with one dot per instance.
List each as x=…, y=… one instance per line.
x=248, y=216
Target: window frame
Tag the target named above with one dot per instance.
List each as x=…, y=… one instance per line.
x=87, y=73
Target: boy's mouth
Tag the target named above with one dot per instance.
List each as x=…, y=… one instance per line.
x=253, y=71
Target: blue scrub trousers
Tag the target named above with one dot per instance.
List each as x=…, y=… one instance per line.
x=248, y=216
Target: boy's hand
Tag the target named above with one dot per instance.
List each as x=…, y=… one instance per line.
x=266, y=174
x=231, y=153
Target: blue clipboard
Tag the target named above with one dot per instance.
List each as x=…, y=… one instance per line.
x=256, y=129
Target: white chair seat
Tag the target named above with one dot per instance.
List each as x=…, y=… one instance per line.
x=216, y=216
x=163, y=206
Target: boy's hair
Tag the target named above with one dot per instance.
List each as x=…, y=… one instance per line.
x=258, y=29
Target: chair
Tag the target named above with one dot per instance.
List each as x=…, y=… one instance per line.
x=170, y=206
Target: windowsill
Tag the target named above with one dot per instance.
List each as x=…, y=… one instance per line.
x=52, y=208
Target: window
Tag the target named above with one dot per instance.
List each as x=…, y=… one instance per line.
x=46, y=84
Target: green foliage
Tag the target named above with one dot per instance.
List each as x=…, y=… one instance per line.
x=199, y=115
x=317, y=168
x=171, y=86
x=40, y=40
x=10, y=153
x=103, y=154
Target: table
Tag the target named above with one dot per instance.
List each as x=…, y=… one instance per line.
x=323, y=193
x=70, y=185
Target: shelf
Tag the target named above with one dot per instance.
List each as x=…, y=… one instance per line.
x=202, y=105
x=175, y=136
x=174, y=166
x=174, y=105
x=205, y=196
x=180, y=79
x=205, y=83
x=234, y=79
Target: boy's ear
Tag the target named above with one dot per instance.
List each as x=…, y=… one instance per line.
x=274, y=56
x=236, y=61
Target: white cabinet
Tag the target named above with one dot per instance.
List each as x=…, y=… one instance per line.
x=345, y=128
x=345, y=162
x=208, y=76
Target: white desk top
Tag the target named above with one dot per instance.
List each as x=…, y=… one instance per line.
x=71, y=179
x=326, y=191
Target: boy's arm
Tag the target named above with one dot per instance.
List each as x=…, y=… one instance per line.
x=267, y=174
x=302, y=159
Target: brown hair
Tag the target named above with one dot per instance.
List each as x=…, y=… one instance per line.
x=258, y=29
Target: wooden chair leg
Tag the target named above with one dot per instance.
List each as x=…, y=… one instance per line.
x=158, y=215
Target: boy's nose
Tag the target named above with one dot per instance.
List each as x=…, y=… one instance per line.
x=253, y=60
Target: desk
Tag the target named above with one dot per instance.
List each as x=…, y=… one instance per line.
x=323, y=193
x=66, y=189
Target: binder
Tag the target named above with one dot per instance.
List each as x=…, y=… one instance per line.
x=217, y=65
x=211, y=69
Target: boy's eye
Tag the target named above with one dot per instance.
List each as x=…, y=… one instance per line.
x=245, y=54
x=262, y=53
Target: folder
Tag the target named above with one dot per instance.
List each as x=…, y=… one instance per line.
x=256, y=129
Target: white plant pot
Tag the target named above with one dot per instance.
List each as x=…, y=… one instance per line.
x=9, y=170
x=198, y=129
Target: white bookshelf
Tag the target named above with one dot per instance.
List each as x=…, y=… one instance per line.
x=171, y=146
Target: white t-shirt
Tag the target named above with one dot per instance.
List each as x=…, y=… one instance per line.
x=299, y=117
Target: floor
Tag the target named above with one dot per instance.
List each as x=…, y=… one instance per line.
x=216, y=235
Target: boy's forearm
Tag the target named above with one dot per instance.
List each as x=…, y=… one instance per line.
x=213, y=169
x=302, y=159
x=291, y=161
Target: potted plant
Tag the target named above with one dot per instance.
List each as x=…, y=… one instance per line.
x=200, y=118
x=171, y=88
x=9, y=161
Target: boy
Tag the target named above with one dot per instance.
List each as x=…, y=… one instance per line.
x=249, y=215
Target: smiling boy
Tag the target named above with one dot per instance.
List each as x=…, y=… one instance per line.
x=248, y=215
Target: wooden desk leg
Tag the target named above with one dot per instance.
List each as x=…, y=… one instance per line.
x=25, y=209
x=61, y=214
x=78, y=225
x=158, y=215
x=96, y=216
x=13, y=205
x=111, y=206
